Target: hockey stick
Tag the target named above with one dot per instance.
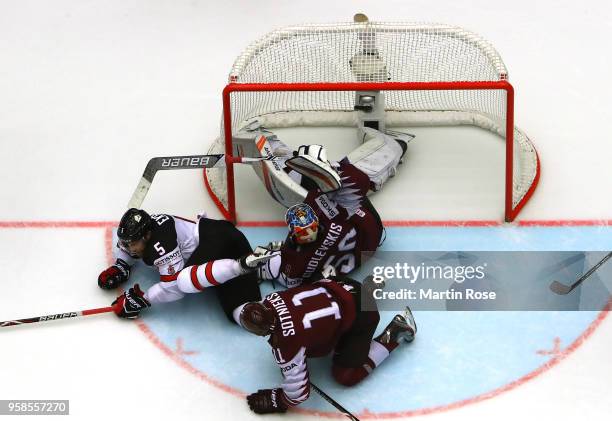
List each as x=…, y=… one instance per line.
x=56, y=316
x=334, y=403
x=562, y=289
x=185, y=162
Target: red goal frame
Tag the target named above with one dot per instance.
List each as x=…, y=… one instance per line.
x=510, y=211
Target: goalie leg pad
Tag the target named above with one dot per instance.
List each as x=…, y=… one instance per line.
x=379, y=155
x=256, y=141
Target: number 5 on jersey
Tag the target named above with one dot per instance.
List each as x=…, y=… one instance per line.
x=158, y=247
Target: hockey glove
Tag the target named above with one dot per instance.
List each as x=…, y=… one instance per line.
x=267, y=401
x=312, y=162
x=131, y=303
x=114, y=276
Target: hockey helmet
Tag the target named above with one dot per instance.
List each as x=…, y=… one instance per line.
x=303, y=223
x=257, y=318
x=134, y=225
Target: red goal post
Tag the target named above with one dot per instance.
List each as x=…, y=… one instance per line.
x=430, y=74
x=511, y=211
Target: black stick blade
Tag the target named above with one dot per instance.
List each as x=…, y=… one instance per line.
x=559, y=288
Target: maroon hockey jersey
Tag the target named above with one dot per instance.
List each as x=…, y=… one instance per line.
x=311, y=319
x=346, y=229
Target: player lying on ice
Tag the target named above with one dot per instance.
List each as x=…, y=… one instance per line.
x=312, y=321
x=335, y=223
x=170, y=244
x=288, y=178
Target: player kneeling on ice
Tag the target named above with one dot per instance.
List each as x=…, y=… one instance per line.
x=332, y=226
x=170, y=244
x=312, y=321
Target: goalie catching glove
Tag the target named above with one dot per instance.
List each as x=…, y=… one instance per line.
x=115, y=275
x=267, y=401
x=131, y=303
x=311, y=161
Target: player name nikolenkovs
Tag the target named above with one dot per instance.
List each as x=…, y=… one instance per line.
x=431, y=294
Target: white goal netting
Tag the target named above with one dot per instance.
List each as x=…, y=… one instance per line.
x=423, y=54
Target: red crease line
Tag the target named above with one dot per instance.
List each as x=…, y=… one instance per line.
x=57, y=224
x=388, y=223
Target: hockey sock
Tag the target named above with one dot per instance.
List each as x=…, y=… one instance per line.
x=349, y=376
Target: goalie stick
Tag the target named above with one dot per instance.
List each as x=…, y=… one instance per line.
x=184, y=162
x=58, y=316
x=334, y=403
x=562, y=289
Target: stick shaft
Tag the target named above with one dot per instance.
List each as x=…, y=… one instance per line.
x=566, y=289
x=335, y=404
x=57, y=316
x=590, y=271
x=182, y=162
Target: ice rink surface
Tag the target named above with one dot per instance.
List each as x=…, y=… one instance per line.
x=90, y=90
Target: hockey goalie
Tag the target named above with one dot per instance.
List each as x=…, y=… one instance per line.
x=334, y=222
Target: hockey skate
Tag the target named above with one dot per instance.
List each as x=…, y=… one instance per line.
x=259, y=257
x=401, y=328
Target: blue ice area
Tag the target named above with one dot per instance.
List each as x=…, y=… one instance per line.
x=456, y=356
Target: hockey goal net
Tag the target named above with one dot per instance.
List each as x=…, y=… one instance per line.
x=430, y=74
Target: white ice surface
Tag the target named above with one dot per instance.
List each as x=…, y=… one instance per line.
x=90, y=90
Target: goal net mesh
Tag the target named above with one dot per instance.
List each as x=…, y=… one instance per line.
x=376, y=52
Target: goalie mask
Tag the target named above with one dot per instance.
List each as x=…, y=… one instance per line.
x=303, y=223
x=257, y=318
